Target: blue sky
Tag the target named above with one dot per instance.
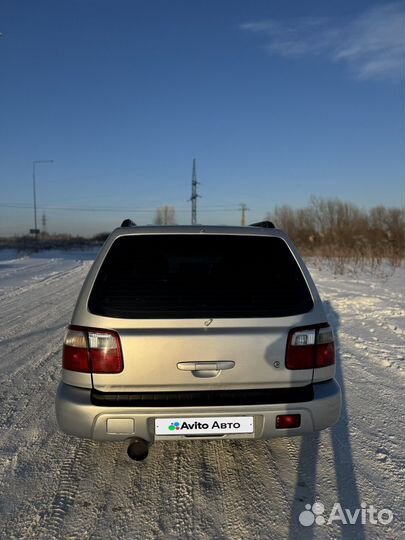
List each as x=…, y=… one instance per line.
x=277, y=101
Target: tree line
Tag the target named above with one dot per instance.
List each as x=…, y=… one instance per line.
x=344, y=232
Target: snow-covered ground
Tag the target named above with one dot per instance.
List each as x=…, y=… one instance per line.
x=54, y=486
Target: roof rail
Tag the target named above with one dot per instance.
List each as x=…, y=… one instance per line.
x=128, y=223
x=263, y=224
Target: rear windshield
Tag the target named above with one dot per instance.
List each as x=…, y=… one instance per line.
x=193, y=276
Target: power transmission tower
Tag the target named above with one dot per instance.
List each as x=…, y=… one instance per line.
x=194, y=195
x=243, y=209
x=44, y=221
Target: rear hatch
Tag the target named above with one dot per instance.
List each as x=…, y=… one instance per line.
x=200, y=311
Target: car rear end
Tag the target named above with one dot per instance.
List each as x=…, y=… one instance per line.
x=197, y=332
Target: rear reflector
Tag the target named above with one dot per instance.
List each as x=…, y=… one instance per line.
x=89, y=350
x=285, y=421
x=310, y=347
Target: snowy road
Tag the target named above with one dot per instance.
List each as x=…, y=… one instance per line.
x=54, y=486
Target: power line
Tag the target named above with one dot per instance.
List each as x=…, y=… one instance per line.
x=23, y=206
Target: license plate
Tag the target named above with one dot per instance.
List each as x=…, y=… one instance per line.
x=219, y=425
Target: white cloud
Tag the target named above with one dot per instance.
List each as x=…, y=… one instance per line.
x=372, y=44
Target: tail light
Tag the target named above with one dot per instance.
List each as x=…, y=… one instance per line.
x=310, y=347
x=90, y=350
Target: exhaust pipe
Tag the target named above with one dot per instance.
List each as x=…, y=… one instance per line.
x=138, y=449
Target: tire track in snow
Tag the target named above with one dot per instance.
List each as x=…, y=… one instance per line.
x=211, y=512
x=177, y=490
x=73, y=469
x=26, y=343
x=39, y=281
x=28, y=387
x=235, y=504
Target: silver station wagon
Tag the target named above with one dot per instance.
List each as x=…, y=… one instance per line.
x=184, y=332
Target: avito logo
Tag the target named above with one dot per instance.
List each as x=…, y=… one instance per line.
x=365, y=514
x=202, y=425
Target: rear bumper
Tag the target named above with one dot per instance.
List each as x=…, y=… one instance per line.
x=78, y=416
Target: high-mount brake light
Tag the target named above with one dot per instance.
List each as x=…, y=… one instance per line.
x=310, y=347
x=89, y=350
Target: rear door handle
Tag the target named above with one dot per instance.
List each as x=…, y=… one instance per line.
x=206, y=366
x=225, y=364
x=186, y=366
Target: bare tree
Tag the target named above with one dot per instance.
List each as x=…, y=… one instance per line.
x=165, y=215
x=341, y=231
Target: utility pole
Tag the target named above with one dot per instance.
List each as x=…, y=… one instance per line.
x=194, y=195
x=243, y=209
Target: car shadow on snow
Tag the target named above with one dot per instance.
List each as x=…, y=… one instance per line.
x=347, y=490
